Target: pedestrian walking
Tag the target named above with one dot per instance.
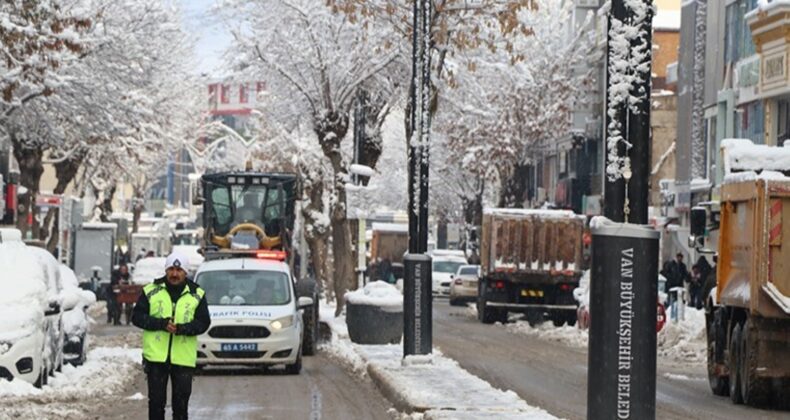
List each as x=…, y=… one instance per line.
x=172, y=311
x=114, y=308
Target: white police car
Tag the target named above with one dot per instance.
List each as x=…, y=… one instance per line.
x=255, y=313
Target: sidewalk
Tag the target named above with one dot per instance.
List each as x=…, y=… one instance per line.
x=432, y=386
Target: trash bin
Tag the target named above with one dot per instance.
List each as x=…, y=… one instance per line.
x=374, y=314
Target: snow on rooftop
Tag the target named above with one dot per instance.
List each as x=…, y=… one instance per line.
x=546, y=214
x=390, y=227
x=667, y=20
x=744, y=155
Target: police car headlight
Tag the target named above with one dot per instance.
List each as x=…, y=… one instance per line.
x=282, y=323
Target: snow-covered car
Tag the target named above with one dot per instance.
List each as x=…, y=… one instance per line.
x=146, y=270
x=464, y=285
x=76, y=301
x=444, y=268
x=54, y=316
x=24, y=308
x=256, y=317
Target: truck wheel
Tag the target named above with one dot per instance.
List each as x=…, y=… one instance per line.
x=558, y=320
x=485, y=314
x=755, y=391
x=716, y=335
x=534, y=317
x=734, y=363
x=571, y=318
x=308, y=287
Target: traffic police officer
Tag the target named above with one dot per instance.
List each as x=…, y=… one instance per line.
x=172, y=311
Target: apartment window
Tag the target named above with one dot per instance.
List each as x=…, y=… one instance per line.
x=783, y=121
x=243, y=95
x=212, y=95
x=225, y=95
x=750, y=122
x=738, y=37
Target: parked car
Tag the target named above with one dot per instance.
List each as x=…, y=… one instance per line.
x=25, y=306
x=75, y=318
x=445, y=265
x=55, y=335
x=464, y=285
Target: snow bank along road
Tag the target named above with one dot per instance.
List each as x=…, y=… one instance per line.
x=553, y=375
x=324, y=390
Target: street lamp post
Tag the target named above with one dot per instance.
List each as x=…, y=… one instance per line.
x=417, y=297
x=623, y=286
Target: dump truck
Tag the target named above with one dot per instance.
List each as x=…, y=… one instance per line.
x=748, y=307
x=246, y=214
x=531, y=261
x=389, y=243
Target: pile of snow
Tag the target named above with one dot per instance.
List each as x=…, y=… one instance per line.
x=744, y=155
x=540, y=213
x=747, y=176
x=147, y=270
x=582, y=293
x=107, y=372
x=23, y=282
x=685, y=340
x=433, y=383
x=567, y=335
x=376, y=293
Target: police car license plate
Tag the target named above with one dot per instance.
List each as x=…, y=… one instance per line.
x=239, y=347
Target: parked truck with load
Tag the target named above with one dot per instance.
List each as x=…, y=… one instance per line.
x=748, y=306
x=531, y=261
x=388, y=244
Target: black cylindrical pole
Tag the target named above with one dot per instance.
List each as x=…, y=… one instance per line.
x=417, y=305
x=639, y=137
x=413, y=136
x=621, y=379
x=425, y=121
x=614, y=188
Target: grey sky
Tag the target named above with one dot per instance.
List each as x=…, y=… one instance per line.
x=212, y=36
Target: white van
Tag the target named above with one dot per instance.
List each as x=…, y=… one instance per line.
x=255, y=314
x=24, y=307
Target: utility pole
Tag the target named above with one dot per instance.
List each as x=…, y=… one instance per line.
x=417, y=282
x=621, y=380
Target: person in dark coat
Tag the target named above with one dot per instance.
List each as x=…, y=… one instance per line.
x=118, y=277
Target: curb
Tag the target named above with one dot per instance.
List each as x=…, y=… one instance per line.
x=400, y=402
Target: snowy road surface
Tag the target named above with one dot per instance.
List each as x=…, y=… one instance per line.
x=324, y=390
x=553, y=375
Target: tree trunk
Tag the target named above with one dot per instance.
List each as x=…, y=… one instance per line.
x=515, y=187
x=31, y=168
x=316, y=235
x=473, y=206
x=65, y=172
x=106, y=204
x=331, y=128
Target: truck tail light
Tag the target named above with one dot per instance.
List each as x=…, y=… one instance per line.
x=499, y=284
x=566, y=287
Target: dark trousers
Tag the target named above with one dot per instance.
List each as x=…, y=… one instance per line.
x=181, y=377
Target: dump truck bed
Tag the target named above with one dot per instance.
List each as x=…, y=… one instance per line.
x=754, y=260
x=529, y=243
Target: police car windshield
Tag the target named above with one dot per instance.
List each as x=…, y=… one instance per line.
x=245, y=287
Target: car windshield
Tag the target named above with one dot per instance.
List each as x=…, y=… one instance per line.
x=245, y=287
x=446, y=266
x=469, y=271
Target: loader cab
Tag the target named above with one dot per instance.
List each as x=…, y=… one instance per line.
x=248, y=210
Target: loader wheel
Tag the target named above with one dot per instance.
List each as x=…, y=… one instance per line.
x=734, y=363
x=755, y=391
x=309, y=288
x=717, y=335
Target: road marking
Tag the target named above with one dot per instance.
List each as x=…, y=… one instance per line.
x=315, y=403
